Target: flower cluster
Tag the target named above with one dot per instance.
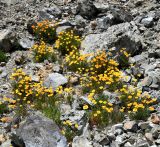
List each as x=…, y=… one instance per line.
x=135, y=102
x=102, y=73
x=43, y=52
x=70, y=129
x=76, y=62
x=27, y=93
x=66, y=93
x=67, y=41
x=45, y=30
x=102, y=111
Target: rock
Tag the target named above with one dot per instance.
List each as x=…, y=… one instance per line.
x=101, y=138
x=119, y=36
x=2, y=138
x=75, y=116
x=138, y=2
x=105, y=141
x=121, y=139
x=6, y=40
x=121, y=15
x=149, y=137
x=157, y=142
x=65, y=108
x=118, y=132
x=131, y=126
x=158, y=26
x=6, y=119
x=26, y=43
x=35, y=78
x=86, y=100
x=140, y=58
x=148, y=21
x=155, y=132
x=80, y=21
x=50, y=13
x=39, y=131
x=117, y=126
x=147, y=81
x=62, y=28
x=155, y=118
x=111, y=136
x=128, y=144
x=6, y=143
x=19, y=58
x=144, y=125
x=112, y=97
x=86, y=9
x=101, y=7
x=142, y=143
x=104, y=22
x=81, y=141
x=55, y=80
x=73, y=80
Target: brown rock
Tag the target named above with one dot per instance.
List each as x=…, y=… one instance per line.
x=155, y=118
x=6, y=119
x=2, y=138
x=149, y=137
x=131, y=126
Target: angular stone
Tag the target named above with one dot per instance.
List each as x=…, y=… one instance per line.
x=55, y=80
x=81, y=141
x=147, y=81
x=39, y=131
x=112, y=97
x=144, y=125
x=50, y=13
x=148, y=21
x=131, y=126
x=149, y=137
x=26, y=43
x=120, y=36
x=86, y=9
x=155, y=118
x=142, y=143
x=6, y=39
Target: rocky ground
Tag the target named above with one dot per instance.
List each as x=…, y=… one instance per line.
x=130, y=24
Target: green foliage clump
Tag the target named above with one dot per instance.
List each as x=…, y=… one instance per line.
x=67, y=41
x=45, y=30
x=43, y=52
x=3, y=57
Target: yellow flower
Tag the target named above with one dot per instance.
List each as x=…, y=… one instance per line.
x=129, y=96
x=85, y=107
x=101, y=87
x=98, y=112
x=63, y=132
x=95, y=115
x=135, y=110
x=76, y=126
x=151, y=108
x=110, y=104
x=121, y=110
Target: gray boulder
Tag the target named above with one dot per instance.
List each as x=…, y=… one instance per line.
x=26, y=43
x=148, y=21
x=86, y=9
x=39, y=131
x=55, y=80
x=50, y=13
x=6, y=40
x=120, y=36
